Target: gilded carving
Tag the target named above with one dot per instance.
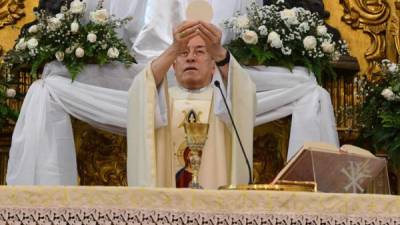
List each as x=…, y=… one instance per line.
x=394, y=29
x=371, y=16
x=270, y=149
x=11, y=11
x=101, y=156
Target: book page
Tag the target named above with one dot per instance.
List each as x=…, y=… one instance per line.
x=351, y=149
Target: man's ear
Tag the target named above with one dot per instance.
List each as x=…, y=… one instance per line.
x=213, y=67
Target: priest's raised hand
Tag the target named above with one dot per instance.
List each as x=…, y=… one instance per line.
x=195, y=49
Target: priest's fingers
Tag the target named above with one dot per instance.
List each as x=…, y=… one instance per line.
x=213, y=34
x=212, y=38
x=208, y=36
x=187, y=37
x=183, y=34
x=212, y=28
x=182, y=38
x=185, y=25
x=205, y=37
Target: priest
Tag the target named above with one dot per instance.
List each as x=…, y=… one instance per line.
x=157, y=151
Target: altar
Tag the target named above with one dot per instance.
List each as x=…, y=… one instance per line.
x=126, y=205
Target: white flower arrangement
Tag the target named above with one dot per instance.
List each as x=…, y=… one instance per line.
x=64, y=38
x=379, y=116
x=276, y=35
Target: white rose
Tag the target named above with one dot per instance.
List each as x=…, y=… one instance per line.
x=74, y=27
x=289, y=15
x=328, y=47
x=11, y=93
x=77, y=7
x=99, y=16
x=79, y=52
x=21, y=45
x=60, y=56
x=321, y=30
x=242, y=22
x=250, y=37
x=60, y=16
x=32, y=43
x=274, y=39
x=309, y=42
x=276, y=43
x=263, y=30
x=113, y=53
x=392, y=67
x=91, y=37
x=33, y=29
x=388, y=94
x=54, y=23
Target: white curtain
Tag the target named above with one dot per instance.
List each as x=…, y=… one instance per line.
x=162, y=16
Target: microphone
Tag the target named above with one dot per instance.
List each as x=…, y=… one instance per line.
x=217, y=84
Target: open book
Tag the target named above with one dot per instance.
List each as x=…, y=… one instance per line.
x=347, y=169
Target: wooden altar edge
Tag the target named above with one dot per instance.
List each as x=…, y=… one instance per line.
x=204, y=201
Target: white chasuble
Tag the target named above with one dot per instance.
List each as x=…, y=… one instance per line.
x=213, y=169
x=156, y=143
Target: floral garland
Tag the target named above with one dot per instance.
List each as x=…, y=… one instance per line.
x=275, y=35
x=380, y=111
x=66, y=39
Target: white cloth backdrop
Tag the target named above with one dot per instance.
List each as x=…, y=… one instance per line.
x=42, y=150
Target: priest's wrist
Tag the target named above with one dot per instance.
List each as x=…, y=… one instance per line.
x=174, y=49
x=225, y=60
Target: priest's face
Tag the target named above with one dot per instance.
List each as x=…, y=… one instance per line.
x=194, y=66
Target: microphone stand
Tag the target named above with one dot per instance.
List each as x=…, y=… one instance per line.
x=217, y=84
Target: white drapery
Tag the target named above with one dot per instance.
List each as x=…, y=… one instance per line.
x=42, y=150
x=154, y=38
x=281, y=93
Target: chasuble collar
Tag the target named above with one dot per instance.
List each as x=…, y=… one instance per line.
x=203, y=89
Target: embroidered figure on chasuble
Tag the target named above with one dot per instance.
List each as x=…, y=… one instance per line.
x=158, y=155
x=186, y=106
